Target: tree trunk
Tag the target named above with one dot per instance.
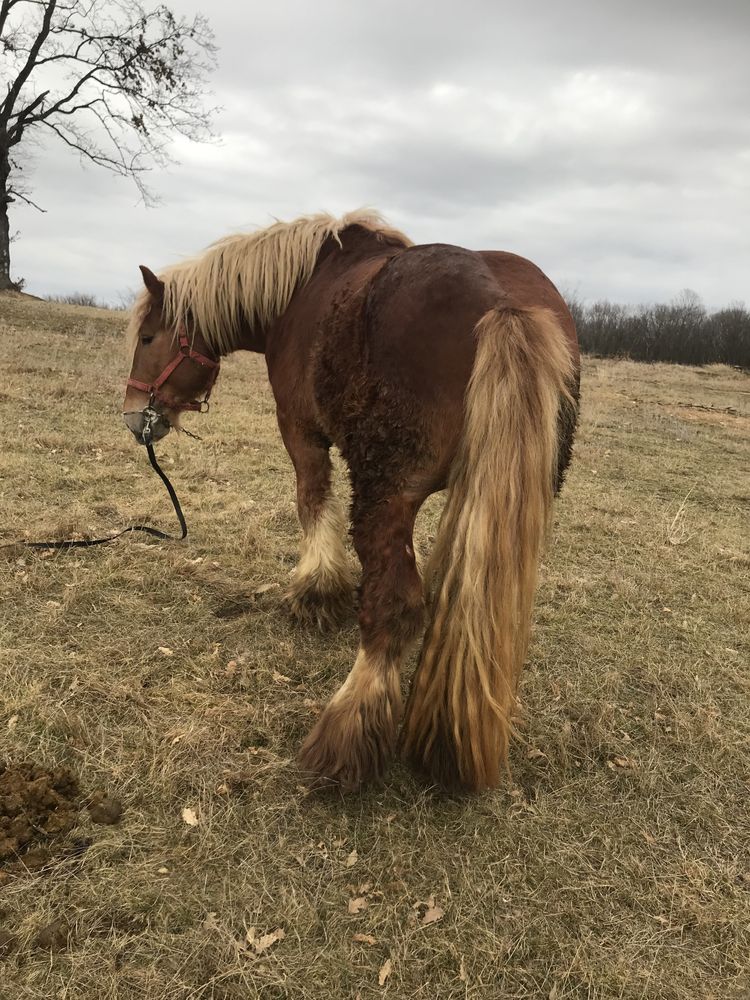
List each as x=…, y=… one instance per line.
x=5, y=200
x=5, y=281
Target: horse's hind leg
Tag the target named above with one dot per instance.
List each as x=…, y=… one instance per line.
x=355, y=736
x=323, y=581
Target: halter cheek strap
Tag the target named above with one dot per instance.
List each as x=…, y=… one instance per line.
x=185, y=352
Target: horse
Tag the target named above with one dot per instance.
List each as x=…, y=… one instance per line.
x=430, y=367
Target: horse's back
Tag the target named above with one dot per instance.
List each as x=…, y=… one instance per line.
x=424, y=304
x=421, y=311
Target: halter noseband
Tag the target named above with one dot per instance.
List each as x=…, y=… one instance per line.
x=185, y=352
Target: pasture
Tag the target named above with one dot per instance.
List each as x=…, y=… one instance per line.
x=616, y=863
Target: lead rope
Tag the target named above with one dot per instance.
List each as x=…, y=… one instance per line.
x=150, y=417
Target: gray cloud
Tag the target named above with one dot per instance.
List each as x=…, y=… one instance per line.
x=609, y=143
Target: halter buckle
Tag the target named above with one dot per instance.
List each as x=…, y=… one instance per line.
x=150, y=417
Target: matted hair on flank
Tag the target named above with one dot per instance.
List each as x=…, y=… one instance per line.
x=251, y=277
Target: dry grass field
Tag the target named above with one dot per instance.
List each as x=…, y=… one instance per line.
x=167, y=676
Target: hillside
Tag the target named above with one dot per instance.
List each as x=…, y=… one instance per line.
x=168, y=677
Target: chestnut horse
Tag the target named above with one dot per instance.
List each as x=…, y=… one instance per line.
x=428, y=367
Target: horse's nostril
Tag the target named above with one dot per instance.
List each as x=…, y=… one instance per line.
x=134, y=422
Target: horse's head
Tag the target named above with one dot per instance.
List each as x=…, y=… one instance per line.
x=171, y=369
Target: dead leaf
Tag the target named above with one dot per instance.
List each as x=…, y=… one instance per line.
x=533, y=753
x=385, y=970
x=12, y=722
x=264, y=588
x=264, y=942
x=623, y=762
x=190, y=816
x=432, y=914
x=430, y=901
x=462, y=972
x=357, y=904
x=365, y=939
x=352, y=859
x=280, y=678
x=166, y=651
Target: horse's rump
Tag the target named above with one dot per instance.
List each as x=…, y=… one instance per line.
x=410, y=350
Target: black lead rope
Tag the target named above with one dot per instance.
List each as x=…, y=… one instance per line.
x=155, y=532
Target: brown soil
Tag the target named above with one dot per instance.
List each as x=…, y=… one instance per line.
x=104, y=808
x=54, y=936
x=35, y=806
x=8, y=943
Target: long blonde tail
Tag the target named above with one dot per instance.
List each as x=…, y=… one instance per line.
x=484, y=565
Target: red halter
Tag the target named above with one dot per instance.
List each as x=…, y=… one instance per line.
x=185, y=351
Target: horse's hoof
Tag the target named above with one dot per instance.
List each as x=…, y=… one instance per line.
x=325, y=610
x=345, y=750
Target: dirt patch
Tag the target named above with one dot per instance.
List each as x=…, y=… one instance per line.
x=35, y=806
x=104, y=808
x=54, y=936
x=726, y=417
x=8, y=943
x=38, y=806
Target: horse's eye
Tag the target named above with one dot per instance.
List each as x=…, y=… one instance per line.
x=146, y=340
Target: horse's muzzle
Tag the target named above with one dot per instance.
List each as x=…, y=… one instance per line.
x=137, y=421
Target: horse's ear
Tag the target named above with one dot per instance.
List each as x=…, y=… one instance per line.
x=153, y=284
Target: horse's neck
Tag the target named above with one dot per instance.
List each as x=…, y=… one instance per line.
x=250, y=339
x=354, y=243
x=336, y=257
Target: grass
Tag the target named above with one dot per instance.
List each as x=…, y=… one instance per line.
x=614, y=865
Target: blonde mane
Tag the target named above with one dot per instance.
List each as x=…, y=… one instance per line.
x=251, y=277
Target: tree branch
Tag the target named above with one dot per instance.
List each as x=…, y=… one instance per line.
x=113, y=81
x=7, y=106
x=5, y=8
x=22, y=197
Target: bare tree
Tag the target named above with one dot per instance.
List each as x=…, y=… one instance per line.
x=111, y=80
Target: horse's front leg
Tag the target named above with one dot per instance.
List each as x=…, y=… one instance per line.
x=322, y=584
x=355, y=736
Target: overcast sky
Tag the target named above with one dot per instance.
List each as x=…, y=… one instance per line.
x=608, y=141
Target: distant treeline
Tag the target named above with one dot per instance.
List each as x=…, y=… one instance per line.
x=84, y=299
x=77, y=299
x=683, y=332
